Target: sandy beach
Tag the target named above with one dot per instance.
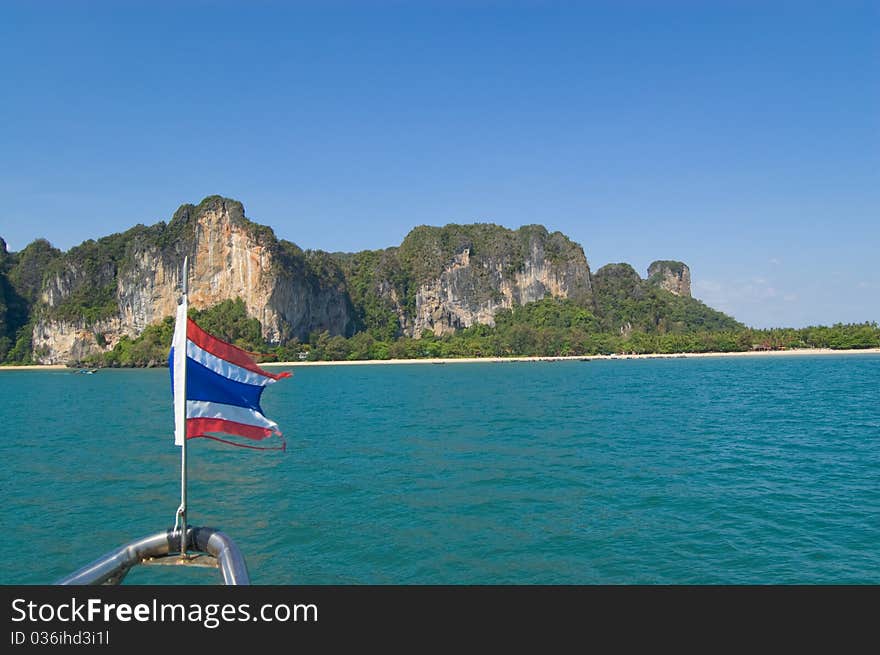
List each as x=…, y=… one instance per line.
x=477, y=360
x=35, y=367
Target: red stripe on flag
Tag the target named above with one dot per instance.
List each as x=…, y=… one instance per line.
x=223, y=350
x=199, y=427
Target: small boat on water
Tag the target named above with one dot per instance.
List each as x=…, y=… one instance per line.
x=87, y=371
x=202, y=409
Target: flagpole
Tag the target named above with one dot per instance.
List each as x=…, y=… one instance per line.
x=182, y=418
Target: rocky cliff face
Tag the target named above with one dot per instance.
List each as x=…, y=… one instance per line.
x=477, y=281
x=64, y=341
x=5, y=337
x=21, y=276
x=441, y=279
x=674, y=277
x=131, y=280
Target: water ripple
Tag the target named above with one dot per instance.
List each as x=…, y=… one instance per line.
x=655, y=471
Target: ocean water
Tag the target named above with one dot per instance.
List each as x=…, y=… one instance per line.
x=666, y=471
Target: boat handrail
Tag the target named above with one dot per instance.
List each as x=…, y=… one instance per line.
x=112, y=567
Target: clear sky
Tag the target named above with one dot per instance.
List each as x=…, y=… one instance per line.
x=740, y=137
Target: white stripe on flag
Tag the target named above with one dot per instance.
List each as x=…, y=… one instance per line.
x=206, y=409
x=224, y=368
x=178, y=343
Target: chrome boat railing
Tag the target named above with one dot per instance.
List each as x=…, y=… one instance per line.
x=205, y=547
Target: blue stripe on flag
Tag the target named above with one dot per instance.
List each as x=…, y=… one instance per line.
x=204, y=384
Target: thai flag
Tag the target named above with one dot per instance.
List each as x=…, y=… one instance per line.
x=223, y=388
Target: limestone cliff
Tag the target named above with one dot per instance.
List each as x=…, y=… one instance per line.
x=5, y=337
x=118, y=285
x=62, y=307
x=21, y=276
x=443, y=279
x=486, y=268
x=673, y=276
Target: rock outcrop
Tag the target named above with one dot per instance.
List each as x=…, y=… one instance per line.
x=5, y=337
x=673, y=276
x=21, y=277
x=528, y=265
x=130, y=280
x=442, y=279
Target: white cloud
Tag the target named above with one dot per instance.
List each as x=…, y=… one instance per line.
x=736, y=296
x=707, y=286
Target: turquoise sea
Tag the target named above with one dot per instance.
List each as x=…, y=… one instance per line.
x=672, y=471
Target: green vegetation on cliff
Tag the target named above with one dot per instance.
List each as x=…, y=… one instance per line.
x=383, y=284
x=230, y=322
x=624, y=301
x=374, y=278
x=522, y=339
x=88, y=274
x=5, y=292
x=426, y=251
x=149, y=349
x=182, y=224
x=227, y=320
x=21, y=280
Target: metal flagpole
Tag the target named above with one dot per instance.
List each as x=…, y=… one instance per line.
x=181, y=418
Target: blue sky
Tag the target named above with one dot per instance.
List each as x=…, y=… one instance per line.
x=740, y=137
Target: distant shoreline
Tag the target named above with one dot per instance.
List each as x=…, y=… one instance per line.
x=37, y=367
x=486, y=360
x=478, y=360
